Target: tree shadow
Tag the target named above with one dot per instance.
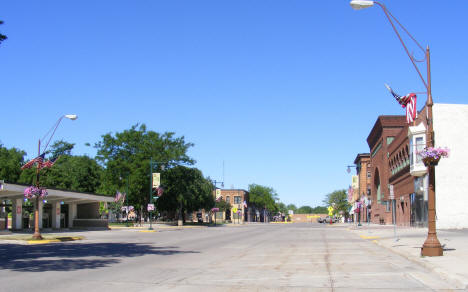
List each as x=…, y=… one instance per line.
x=74, y=256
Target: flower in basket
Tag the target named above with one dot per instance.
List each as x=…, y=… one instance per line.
x=434, y=153
x=33, y=191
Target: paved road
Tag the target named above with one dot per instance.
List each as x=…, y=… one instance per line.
x=261, y=257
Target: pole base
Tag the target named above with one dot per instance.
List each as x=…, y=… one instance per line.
x=432, y=251
x=37, y=236
x=432, y=247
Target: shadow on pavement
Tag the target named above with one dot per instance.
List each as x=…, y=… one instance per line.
x=76, y=256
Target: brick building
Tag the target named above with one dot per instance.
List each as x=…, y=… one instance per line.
x=383, y=133
x=361, y=195
x=238, y=199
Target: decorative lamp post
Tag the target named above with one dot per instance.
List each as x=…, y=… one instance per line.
x=155, y=182
x=36, y=191
x=431, y=246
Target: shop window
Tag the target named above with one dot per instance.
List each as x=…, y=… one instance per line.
x=417, y=141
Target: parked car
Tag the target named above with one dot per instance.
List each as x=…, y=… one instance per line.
x=328, y=219
x=320, y=220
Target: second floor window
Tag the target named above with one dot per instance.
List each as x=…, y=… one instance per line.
x=237, y=199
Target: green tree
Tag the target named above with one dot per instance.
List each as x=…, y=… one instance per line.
x=263, y=197
x=2, y=36
x=320, y=210
x=126, y=156
x=292, y=207
x=60, y=148
x=222, y=204
x=185, y=190
x=77, y=173
x=339, y=200
x=11, y=161
x=282, y=208
x=304, y=210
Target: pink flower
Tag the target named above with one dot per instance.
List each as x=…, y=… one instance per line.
x=33, y=191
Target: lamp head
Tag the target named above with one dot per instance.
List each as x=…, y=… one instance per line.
x=71, y=117
x=361, y=4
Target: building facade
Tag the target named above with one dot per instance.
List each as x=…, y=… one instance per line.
x=399, y=183
x=384, y=131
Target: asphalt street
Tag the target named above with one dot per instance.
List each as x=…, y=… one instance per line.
x=254, y=257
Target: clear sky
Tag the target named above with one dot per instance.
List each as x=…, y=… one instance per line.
x=284, y=92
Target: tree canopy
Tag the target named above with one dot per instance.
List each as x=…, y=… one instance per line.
x=125, y=157
x=11, y=161
x=339, y=200
x=263, y=197
x=185, y=190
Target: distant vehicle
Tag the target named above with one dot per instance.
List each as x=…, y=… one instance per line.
x=320, y=220
x=328, y=219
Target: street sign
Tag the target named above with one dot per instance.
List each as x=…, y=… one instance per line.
x=150, y=207
x=156, y=180
x=392, y=194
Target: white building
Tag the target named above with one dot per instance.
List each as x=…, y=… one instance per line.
x=451, y=175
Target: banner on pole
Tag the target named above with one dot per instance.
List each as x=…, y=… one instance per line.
x=156, y=180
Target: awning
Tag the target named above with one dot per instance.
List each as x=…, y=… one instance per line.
x=15, y=191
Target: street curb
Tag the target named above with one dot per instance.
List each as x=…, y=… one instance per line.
x=448, y=277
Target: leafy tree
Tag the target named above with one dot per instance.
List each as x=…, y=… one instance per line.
x=60, y=148
x=292, y=207
x=282, y=208
x=320, y=210
x=304, y=210
x=2, y=37
x=222, y=204
x=77, y=173
x=126, y=156
x=339, y=200
x=185, y=190
x=11, y=161
x=263, y=197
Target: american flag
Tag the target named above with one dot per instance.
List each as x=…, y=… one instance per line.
x=119, y=196
x=37, y=160
x=408, y=101
x=49, y=163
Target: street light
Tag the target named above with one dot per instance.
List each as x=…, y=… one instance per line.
x=431, y=246
x=37, y=234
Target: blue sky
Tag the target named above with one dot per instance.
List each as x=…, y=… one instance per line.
x=284, y=92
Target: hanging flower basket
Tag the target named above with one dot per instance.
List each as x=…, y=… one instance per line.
x=33, y=191
x=431, y=156
x=429, y=161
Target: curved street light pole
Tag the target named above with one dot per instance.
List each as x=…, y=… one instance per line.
x=37, y=234
x=431, y=246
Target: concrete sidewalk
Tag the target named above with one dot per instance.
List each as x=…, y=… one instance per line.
x=407, y=242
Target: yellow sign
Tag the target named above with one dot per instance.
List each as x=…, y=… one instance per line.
x=218, y=193
x=330, y=210
x=156, y=180
x=234, y=210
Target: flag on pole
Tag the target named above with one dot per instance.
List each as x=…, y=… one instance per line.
x=37, y=160
x=408, y=102
x=49, y=163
